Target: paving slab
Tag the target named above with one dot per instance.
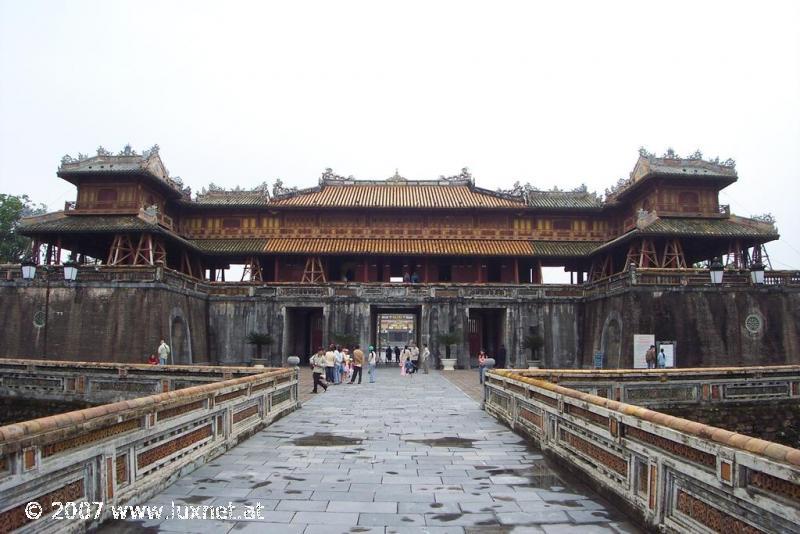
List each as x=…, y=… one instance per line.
x=403, y=455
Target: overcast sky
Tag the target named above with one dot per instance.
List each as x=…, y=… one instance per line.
x=555, y=93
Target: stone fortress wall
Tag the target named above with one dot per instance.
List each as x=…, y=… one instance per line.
x=120, y=314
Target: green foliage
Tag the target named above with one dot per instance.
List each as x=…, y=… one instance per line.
x=449, y=339
x=344, y=339
x=13, y=246
x=259, y=339
x=533, y=342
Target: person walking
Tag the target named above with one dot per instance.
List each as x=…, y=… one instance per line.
x=317, y=366
x=372, y=361
x=425, y=356
x=163, y=352
x=661, y=359
x=397, y=353
x=650, y=357
x=481, y=364
x=388, y=354
x=358, y=363
x=414, y=357
x=330, y=362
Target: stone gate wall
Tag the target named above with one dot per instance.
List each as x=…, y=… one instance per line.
x=120, y=314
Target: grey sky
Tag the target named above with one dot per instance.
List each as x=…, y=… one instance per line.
x=555, y=93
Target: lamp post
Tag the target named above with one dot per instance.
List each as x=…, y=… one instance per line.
x=716, y=270
x=757, y=273
x=28, y=269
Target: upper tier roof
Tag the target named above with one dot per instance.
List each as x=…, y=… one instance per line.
x=393, y=195
x=127, y=162
x=673, y=166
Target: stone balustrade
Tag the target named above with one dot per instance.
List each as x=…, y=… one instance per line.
x=672, y=473
x=173, y=419
x=489, y=291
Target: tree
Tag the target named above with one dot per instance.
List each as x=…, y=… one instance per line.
x=13, y=246
x=448, y=339
x=533, y=342
x=259, y=339
x=344, y=339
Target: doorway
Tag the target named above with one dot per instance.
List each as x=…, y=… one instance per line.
x=303, y=332
x=485, y=331
x=394, y=328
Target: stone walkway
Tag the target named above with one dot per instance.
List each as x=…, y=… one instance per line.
x=406, y=454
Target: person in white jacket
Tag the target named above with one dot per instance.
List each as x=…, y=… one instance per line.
x=372, y=361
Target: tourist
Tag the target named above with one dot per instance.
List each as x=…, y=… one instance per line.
x=330, y=363
x=501, y=356
x=650, y=357
x=388, y=354
x=662, y=359
x=163, y=352
x=397, y=353
x=481, y=364
x=338, y=368
x=414, y=357
x=371, y=362
x=358, y=363
x=317, y=365
x=401, y=360
x=426, y=354
x=409, y=365
x=152, y=360
x=415, y=278
x=406, y=277
x=406, y=357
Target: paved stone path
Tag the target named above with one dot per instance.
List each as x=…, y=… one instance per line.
x=406, y=454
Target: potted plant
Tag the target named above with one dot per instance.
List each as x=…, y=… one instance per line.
x=449, y=339
x=533, y=342
x=259, y=339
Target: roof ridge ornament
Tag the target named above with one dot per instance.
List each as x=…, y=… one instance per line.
x=396, y=177
x=463, y=176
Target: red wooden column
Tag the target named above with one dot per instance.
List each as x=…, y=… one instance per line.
x=516, y=270
x=425, y=269
x=276, y=269
x=366, y=270
x=478, y=269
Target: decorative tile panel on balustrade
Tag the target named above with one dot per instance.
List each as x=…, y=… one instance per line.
x=674, y=474
x=129, y=450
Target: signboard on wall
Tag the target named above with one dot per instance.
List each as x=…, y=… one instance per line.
x=669, y=352
x=641, y=342
x=598, y=360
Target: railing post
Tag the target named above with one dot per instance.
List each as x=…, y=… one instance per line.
x=295, y=362
x=488, y=365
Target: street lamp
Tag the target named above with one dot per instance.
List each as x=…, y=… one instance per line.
x=757, y=273
x=70, y=271
x=716, y=271
x=28, y=269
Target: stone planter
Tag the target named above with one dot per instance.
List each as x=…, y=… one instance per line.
x=448, y=364
x=534, y=364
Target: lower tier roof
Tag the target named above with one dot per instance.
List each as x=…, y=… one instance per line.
x=74, y=225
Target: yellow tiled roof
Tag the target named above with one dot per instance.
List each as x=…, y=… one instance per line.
x=397, y=196
x=433, y=247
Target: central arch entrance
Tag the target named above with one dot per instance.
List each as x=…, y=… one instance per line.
x=394, y=327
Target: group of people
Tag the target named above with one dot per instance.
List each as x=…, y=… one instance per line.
x=338, y=365
x=410, y=359
x=163, y=355
x=653, y=360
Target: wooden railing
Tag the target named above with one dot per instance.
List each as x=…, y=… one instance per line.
x=129, y=450
x=676, y=475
